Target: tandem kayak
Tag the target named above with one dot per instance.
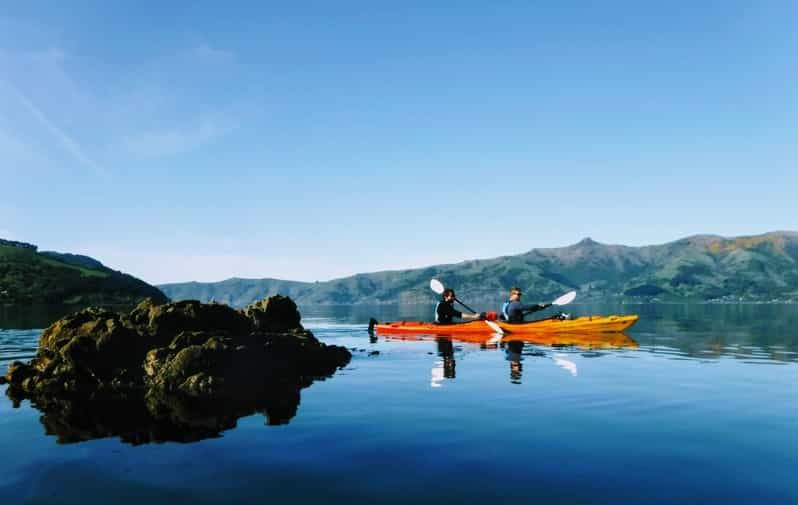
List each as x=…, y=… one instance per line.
x=586, y=324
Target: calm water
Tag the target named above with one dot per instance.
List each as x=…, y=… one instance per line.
x=699, y=407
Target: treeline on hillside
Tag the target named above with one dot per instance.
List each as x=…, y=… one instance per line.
x=29, y=277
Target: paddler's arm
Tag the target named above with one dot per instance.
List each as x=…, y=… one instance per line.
x=449, y=310
x=528, y=309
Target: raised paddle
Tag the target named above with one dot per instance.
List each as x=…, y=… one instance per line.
x=437, y=286
x=565, y=299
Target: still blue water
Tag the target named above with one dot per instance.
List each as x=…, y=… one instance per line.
x=702, y=408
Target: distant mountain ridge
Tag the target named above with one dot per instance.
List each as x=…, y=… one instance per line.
x=698, y=268
x=28, y=276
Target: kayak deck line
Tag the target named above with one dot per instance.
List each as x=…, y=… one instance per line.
x=585, y=324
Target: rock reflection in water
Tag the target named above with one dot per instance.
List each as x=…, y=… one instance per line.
x=146, y=418
x=180, y=371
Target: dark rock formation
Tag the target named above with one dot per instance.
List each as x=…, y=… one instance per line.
x=179, y=371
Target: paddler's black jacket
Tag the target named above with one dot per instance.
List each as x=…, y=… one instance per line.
x=445, y=312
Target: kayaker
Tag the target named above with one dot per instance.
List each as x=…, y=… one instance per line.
x=445, y=311
x=513, y=310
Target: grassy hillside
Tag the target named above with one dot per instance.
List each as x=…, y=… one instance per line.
x=699, y=268
x=28, y=276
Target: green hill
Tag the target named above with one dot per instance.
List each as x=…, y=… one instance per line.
x=28, y=276
x=698, y=268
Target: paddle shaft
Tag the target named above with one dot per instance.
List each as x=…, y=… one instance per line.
x=466, y=306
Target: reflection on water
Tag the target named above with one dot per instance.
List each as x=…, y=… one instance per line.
x=138, y=416
x=515, y=348
x=682, y=400
x=444, y=368
x=17, y=345
x=136, y=419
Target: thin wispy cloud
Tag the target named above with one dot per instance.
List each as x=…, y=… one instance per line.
x=151, y=128
x=66, y=141
x=171, y=141
x=24, y=70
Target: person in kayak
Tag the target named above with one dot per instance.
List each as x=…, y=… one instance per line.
x=513, y=310
x=445, y=311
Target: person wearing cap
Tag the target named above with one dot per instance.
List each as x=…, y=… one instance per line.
x=445, y=311
x=513, y=310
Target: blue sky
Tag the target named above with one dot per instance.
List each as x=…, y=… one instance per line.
x=313, y=140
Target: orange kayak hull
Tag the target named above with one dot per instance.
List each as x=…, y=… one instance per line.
x=587, y=324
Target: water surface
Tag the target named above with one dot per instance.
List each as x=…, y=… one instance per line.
x=701, y=407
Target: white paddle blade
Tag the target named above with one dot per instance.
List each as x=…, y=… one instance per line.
x=498, y=333
x=436, y=286
x=495, y=327
x=565, y=299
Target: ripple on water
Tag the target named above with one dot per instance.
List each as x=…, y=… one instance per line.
x=17, y=345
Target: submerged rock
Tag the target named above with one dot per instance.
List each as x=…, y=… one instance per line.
x=172, y=364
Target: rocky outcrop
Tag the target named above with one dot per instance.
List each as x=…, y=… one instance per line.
x=169, y=365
